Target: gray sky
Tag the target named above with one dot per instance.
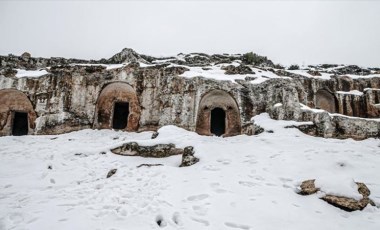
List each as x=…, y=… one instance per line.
x=303, y=32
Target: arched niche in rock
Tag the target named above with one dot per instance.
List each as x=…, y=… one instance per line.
x=325, y=100
x=218, y=114
x=117, y=107
x=17, y=115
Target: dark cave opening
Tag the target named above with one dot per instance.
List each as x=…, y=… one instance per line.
x=120, y=115
x=20, y=124
x=218, y=121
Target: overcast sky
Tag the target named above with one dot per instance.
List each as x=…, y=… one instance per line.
x=303, y=32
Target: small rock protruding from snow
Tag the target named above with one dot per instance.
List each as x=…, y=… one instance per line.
x=155, y=135
x=188, y=157
x=111, y=173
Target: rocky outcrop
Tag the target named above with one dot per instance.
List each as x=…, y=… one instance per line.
x=351, y=69
x=240, y=69
x=127, y=55
x=345, y=203
x=314, y=73
x=337, y=126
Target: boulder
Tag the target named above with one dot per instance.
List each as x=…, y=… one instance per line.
x=25, y=56
x=345, y=203
x=188, y=157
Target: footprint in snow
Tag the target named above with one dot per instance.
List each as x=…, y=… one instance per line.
x=198, y=197
x=284, y=179
x=160, y=221
x=211, y=168
x=176, y=218
x=224, y=161
x=200, y=210
x=216, y=189
x=247, y=183
x=239, y=226
x=204, y=222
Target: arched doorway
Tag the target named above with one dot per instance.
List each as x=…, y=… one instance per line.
x=17, y=115
x=117, y=107
x=325, y=100
x=218, y=114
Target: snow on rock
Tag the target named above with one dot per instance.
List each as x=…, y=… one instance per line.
x=304, y=72
x=338, y=185
x=30, y=73
x=240, y=182
x=108, y=66
x=307, y=108
x=216, y=72
x=353, y=92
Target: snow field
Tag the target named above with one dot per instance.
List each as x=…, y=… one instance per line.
x=241, y=182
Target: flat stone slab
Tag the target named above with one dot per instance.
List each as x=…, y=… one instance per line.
x=158, y=151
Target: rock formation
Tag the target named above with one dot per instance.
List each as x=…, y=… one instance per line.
x=209, y=94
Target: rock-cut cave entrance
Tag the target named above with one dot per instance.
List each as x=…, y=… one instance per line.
x=218, y=114
x=17, y=115
x=218, y=121
x=117, y=107
x=20, y=124
x=120, y=115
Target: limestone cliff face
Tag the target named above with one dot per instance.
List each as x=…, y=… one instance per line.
x=73, y=97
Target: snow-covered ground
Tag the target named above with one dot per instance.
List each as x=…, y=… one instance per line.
x=241, y=182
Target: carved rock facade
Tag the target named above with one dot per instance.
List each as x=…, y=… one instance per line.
x=148, y=93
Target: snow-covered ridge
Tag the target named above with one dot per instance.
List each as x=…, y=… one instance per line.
x=108, y=67
x=197, y=63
